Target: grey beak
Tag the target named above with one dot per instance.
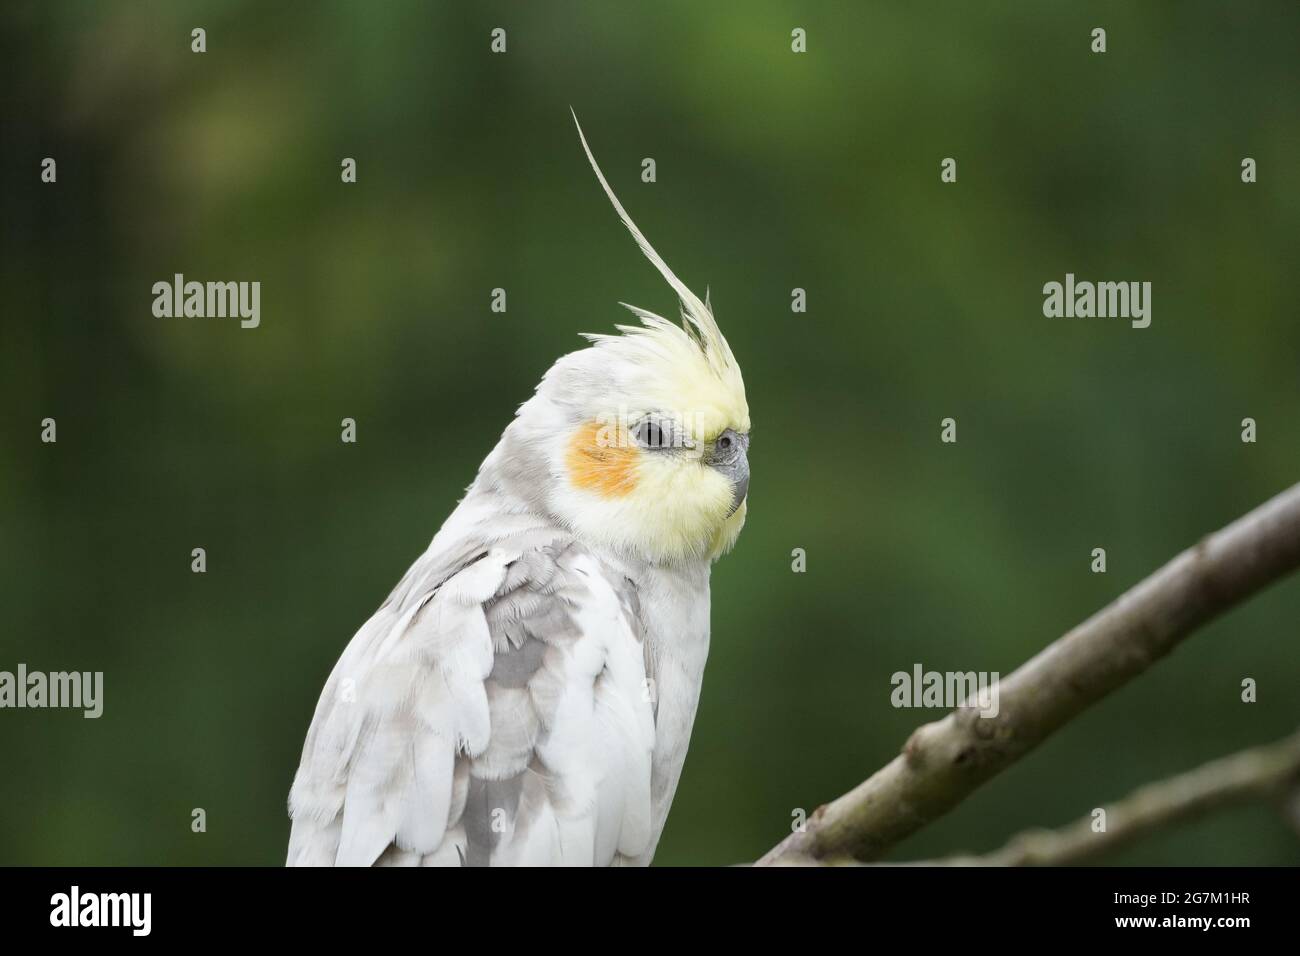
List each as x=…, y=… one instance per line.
x=739, y=490
x=730, y=456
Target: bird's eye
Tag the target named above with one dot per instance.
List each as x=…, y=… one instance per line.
x=652, y=435
x=724, y=442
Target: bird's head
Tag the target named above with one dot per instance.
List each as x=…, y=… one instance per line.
x=641, y=441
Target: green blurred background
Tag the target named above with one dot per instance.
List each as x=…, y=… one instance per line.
x=775, y=171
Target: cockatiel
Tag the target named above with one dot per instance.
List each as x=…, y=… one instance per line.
x=526, y=693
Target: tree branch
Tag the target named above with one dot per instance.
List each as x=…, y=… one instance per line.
x=1268, y=772
x=943, y=762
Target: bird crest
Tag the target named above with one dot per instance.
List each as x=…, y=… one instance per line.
x=697, y=339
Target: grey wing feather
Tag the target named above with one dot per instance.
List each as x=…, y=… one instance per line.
x=492, y=711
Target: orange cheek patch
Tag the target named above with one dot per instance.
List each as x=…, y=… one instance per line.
x=596, y=464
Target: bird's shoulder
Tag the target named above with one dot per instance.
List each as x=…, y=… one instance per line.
x=492, y=710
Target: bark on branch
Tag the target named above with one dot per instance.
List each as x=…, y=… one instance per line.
x=943, y=762
x=1261, y=773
